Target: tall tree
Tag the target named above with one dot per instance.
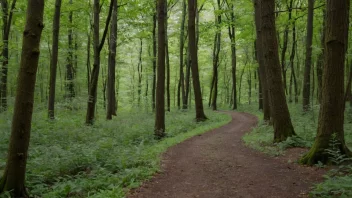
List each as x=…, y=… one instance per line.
x=154, y=60
x=13, y=179
x=261, y=61
x=320, y=60
x=160, y=91
x=167, y=57
x=192, y=9
x=279, y=110
x=92, y=98
x=54, y=59
x=111, y=93
x=216, y=60
x=285, y=45
x=97, y=46
x=70, y=71
x=7, y=21
x=308, y=63
x=181, y=84
x=331, y=116
x=232, y=36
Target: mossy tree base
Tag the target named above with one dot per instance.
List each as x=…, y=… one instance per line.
x=318, y=153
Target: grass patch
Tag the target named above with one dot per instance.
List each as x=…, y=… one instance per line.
x=68, y=159
x=338, y=182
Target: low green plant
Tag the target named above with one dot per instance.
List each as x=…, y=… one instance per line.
x=69, y=159
x=338, y=181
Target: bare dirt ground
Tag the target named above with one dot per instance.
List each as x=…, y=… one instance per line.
x=219, y=165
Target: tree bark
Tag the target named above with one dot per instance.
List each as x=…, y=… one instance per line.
x=7, y=21
x=181, y=87
x=92, y=98
x=261, y=61
x=111, y=93
x=159, y=130
x=54, y=59
x=13, y=179
x=308, y=63
x=70, y=73
x=320, y=61
x=154, y=62
x=216, y=59
x=192, y=9
x=167, y=57
x=140, y=72
x=331, y=116
x=279, y=110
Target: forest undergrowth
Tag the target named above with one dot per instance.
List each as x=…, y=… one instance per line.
x=338, y=181
x=69, y=159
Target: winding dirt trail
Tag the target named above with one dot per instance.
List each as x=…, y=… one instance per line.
x=219, y=165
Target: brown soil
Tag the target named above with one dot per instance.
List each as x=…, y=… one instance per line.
x=219, y=165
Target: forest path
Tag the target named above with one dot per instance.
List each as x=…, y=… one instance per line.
x=217, y=164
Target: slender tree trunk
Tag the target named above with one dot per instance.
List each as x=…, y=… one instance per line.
x=331, y=116
x=168, y=103
x=98, y=46
x=285, y=44
x=154, y=62
x=192, y=9
x=159, y=129
x=232, y=35
x=92, y=98
x=88, y=61
x=216, y=59
x=308, y=63
x=140, y=72
x=181, y=86
x=70, y=88
x=261, y=61
x=111, y=93
x=54, y=59
x=7, y=21
x=279, y=110
x=13, y=179
x=187, y=80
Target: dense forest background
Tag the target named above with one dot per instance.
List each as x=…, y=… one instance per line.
x=77, y=64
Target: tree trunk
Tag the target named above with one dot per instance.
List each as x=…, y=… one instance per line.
x=216, y=59
x=279, y=110
x=320, y=61
x=159, y=130
x=167, y=57
x=154, y=62
x=181, y=87
x=331, y=117
x=187, y=80
x=13, y=179
x=70, y=73
x=192, y=9
x=285, y=44
x=232, y=35
x=308, y=63
x=111, y=93
x=92, y=95
x=92, y=98
x=140, y=72
x=260, y=57
x=54, y=59
x=7, y=21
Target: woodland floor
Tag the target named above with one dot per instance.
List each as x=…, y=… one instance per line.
x=217, y=164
